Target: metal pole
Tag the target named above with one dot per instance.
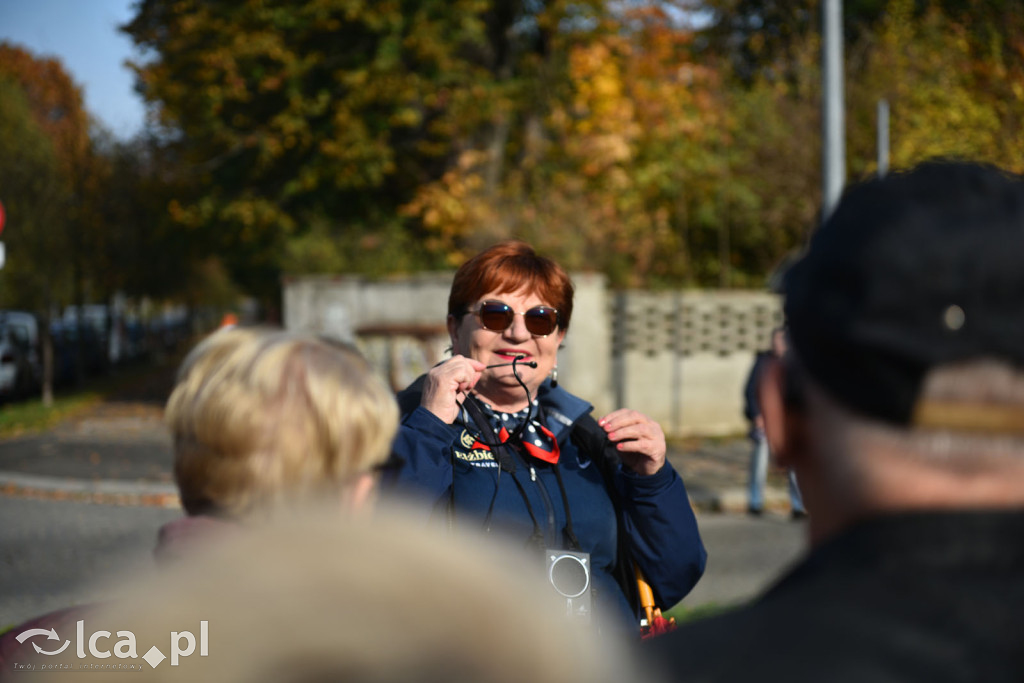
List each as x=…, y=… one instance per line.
x=883, y=137
x=619, y=346
x=833, y=126
x=677, y=364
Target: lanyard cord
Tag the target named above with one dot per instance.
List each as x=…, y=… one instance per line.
x=574, y=543
x=506, y=462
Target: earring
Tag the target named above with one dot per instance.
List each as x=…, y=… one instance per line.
x=554, y=377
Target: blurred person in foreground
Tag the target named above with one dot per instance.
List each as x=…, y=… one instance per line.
x=262, y=421
x=761, y=454
x=901, y=407
x=489, y=440
x=369, y=599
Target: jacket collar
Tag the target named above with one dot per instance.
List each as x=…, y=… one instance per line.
x=560, y=408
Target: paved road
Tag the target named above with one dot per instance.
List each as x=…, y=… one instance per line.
x=54, y=553
x=745, y=555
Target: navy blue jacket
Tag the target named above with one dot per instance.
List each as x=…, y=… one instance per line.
x=657, y=519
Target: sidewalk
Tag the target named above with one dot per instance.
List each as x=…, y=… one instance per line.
x=119, y=452
x=116, y=453
x=716, y=473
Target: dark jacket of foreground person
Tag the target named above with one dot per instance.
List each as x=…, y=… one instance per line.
x=915, y=597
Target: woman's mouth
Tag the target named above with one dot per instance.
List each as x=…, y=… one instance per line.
x=512, y=354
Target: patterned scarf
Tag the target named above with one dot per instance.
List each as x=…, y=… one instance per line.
x=537, y=439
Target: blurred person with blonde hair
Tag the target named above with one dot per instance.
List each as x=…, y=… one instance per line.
x=262, y=421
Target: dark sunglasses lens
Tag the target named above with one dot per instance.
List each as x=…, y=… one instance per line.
x=495, y=316
x=541, y=320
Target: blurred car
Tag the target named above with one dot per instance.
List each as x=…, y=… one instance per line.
x=65, y=365
x=20, y=366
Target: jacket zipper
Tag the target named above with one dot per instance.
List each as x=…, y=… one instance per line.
x=552, y=534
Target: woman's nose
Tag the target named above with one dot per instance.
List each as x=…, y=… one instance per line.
x=517, y=330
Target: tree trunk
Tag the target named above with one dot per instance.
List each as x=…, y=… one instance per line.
x=46, y=340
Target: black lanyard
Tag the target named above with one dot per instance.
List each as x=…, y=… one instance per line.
x=505, y=454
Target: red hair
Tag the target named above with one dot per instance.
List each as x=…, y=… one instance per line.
x=508, y=267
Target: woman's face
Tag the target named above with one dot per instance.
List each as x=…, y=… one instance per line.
x=471, y=339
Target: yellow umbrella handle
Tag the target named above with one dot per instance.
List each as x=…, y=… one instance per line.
x=646, y=594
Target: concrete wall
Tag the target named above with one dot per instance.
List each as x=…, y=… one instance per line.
x=683, y=357
x=584, y=360
x=680, y=357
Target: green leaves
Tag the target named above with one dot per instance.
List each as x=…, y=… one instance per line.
x=290, y=109
x=379, y=137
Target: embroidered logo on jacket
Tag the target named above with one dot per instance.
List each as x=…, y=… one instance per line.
x=477, y=454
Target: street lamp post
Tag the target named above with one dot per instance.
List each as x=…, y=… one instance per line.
x=833, y=124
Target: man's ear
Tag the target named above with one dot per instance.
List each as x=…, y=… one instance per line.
x=783, y=421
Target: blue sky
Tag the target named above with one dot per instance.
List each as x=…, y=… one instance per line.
x=83, y=35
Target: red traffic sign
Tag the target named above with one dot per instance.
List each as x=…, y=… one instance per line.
x=2, y=216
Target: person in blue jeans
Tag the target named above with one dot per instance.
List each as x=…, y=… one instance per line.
x=759, y=456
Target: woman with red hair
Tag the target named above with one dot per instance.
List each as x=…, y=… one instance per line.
x=490, y=439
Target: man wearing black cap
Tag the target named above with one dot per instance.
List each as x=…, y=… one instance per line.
x=901, y=407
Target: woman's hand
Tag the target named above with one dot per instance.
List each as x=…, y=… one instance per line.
x=639, y=439
x=447, y=385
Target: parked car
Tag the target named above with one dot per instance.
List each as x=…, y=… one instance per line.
x=90, y=340
x=20, y=366
x=65, y=365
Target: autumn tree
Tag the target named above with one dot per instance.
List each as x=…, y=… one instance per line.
x=608, y=169
x=312, y=118
x=57, y=107
x=325, y=135
x=950, y=70
x=938, y=82
x=35, y=197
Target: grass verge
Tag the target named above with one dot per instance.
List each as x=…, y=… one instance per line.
x=32, y=416
x=684, y=614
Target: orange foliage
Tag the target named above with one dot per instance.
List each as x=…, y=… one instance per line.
x=55, y=100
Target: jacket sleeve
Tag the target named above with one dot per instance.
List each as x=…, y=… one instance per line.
x=421, y=457
x=662, y=532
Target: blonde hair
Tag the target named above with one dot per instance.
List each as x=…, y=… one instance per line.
x=264, y=417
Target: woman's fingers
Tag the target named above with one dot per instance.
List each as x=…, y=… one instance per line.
x=639, y=439
x=447, y=385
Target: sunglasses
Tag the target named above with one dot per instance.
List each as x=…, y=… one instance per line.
x=496, y=316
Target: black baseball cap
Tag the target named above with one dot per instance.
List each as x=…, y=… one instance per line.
x=911, y=271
